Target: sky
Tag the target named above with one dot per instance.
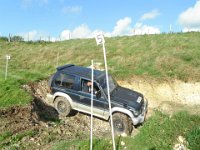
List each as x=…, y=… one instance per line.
x=64, y=19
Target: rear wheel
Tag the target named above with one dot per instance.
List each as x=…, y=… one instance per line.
x=122, y=124
x=62, y=105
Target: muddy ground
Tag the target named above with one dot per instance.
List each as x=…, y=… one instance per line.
x=38, y=125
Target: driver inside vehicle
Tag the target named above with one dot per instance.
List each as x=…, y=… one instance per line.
x=87, y=87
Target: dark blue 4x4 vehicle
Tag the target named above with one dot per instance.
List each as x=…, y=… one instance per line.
x=70, y=89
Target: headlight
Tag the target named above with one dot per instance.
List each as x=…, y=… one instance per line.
x=145, y=104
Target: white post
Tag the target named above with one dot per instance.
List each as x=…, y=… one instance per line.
x=6, y=73
x=91, y=121
x=9, y=38
x=170, y=28
x=100, y=40
x=108, y=91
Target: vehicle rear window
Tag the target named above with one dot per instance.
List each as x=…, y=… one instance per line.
x=65, y=81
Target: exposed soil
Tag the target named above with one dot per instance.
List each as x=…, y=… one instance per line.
x=168, y=96
x=38, y=125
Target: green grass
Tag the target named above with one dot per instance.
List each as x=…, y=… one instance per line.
x=193, y=138
x=10, y=139
x=5, y=135
x=162, y=131
x=171, y=56
x=17, y=137
x=98, y=144
x=11, y=93
x=159, y=132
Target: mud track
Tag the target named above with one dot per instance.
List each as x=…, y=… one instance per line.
x=38, y=125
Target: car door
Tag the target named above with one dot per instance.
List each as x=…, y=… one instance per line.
x=84, y=102
x=66, y=83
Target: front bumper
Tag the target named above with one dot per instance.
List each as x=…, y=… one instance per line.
x=140, y=118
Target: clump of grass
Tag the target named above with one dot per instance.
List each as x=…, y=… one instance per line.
x=12, y=94
x=193, y=138
x=17, y=137
x=13, y=142
x=161, y=131
x=98, y=144
x=5, y=135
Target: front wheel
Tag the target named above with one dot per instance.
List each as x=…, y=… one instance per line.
x=63, y=106
x=121, y=124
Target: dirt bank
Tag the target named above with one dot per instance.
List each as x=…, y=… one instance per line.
x=169, y=96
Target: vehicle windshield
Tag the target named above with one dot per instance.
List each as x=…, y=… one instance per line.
x=112, y=84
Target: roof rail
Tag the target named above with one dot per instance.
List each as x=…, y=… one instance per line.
x=65, y=66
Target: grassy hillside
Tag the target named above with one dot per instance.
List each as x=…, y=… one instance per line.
x=158, y=56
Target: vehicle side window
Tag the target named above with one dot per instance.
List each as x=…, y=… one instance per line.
x=86, y=86
x=65, y=80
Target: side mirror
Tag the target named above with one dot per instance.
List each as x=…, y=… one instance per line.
x=98, y=94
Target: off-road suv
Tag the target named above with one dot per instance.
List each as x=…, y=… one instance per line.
x=70, y=91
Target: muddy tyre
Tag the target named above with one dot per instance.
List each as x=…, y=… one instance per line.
x=63, y=106
x=122, y=124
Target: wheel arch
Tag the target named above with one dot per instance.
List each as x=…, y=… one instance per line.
x=60, y=94
x=123, y=111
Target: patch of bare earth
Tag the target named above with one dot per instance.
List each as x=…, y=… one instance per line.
x=38, y=125
x=167, y=96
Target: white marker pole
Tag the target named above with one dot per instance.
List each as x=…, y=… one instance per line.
x=92, y=87
x=6, y=73
x=100, y=40
x=170, y=28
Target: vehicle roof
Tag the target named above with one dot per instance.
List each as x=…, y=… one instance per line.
x=80, y=71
